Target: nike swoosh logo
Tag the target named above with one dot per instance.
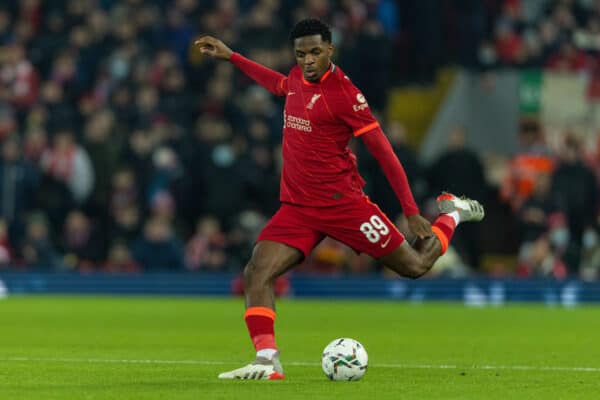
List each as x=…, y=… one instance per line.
x=384, y=244
x=291, y=93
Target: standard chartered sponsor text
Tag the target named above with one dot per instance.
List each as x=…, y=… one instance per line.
x=300, y=124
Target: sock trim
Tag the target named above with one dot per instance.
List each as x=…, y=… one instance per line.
x=455, y=216
x=260, y=312
x=267, y=353
x=441, y=237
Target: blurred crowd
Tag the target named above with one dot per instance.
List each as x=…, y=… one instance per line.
x=558, y=35
x=554, y=193
x=123, y=150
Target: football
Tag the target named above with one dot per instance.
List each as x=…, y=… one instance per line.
x=344, y=359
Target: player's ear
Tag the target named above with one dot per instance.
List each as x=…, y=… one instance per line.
x=330, y=50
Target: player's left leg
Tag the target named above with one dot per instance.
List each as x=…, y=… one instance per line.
x=364, y=227
x=415, y=261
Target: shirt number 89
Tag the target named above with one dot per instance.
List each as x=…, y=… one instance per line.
x=374, y=229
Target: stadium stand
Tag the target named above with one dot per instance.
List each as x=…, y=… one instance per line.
x=123, y=150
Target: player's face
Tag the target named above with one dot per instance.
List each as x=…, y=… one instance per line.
x=313, y=56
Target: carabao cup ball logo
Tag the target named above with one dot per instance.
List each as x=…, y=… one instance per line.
x=360, y=98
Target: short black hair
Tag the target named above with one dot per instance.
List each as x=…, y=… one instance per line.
x=309, y=27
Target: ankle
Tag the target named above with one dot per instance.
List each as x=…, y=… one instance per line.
x=267, y=353
x=455, y=216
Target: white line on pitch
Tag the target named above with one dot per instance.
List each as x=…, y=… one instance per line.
x=304, y=364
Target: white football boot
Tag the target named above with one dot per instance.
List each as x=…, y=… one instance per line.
x=261, y=368
x=468, y=209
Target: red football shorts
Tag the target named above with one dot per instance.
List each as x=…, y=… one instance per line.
x=360, y=225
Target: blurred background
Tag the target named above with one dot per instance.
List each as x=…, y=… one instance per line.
x=124, y=152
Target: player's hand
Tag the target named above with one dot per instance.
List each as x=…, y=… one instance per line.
x=213, y=47
x=419, y=226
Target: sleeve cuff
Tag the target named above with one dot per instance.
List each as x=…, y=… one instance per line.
x=235, y=57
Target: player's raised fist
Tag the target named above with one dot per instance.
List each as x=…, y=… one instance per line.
x=213, y=47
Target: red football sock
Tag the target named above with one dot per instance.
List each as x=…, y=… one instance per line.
x=260, y=322
x=443, y=228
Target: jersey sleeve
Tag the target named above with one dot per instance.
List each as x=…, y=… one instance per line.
x=273, y=81
x=354, y=110
x=380, y=147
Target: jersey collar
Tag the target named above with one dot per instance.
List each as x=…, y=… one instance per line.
x=323, y=77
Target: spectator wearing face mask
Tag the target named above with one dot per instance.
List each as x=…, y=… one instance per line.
x=544, y=256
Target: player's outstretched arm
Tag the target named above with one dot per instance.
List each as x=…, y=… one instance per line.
x=380, y=147
x=273, y=81
x=213, y=47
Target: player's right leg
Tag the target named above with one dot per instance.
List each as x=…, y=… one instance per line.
x=269, y=261
x=282, y=244
x=414, y=262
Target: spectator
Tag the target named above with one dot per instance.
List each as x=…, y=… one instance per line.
x=37, y=250
x=532, y=159
x=574, y=188
x=367, y=56
x=124, y=192
x=104, y=149
x=458, y=170
x=536, y=211
x=163, y=206
x=126, y=223
x=60, y=114
x=158, y=249
x=6, y=251
x=217, y=159
x=538, y=259
x=80, y=245
x=19, y=81
x=590, y=258
x=35, y=143
x=8, y=121
x=176, y=101
x=138, y=156
x=206, y=249
x=166, y=169
x=18, y=181
x=119, y=260
x=147, y=105
x=509, y=45
x=5, y=26
x=52, y=37
x=68, y=162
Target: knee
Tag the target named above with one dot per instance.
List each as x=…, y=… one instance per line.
x=415, y=273
x=256, y=274
x=416, y=269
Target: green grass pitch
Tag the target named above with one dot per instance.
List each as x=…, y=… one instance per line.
x=173, y=348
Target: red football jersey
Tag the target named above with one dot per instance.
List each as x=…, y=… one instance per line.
x=319, y=120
